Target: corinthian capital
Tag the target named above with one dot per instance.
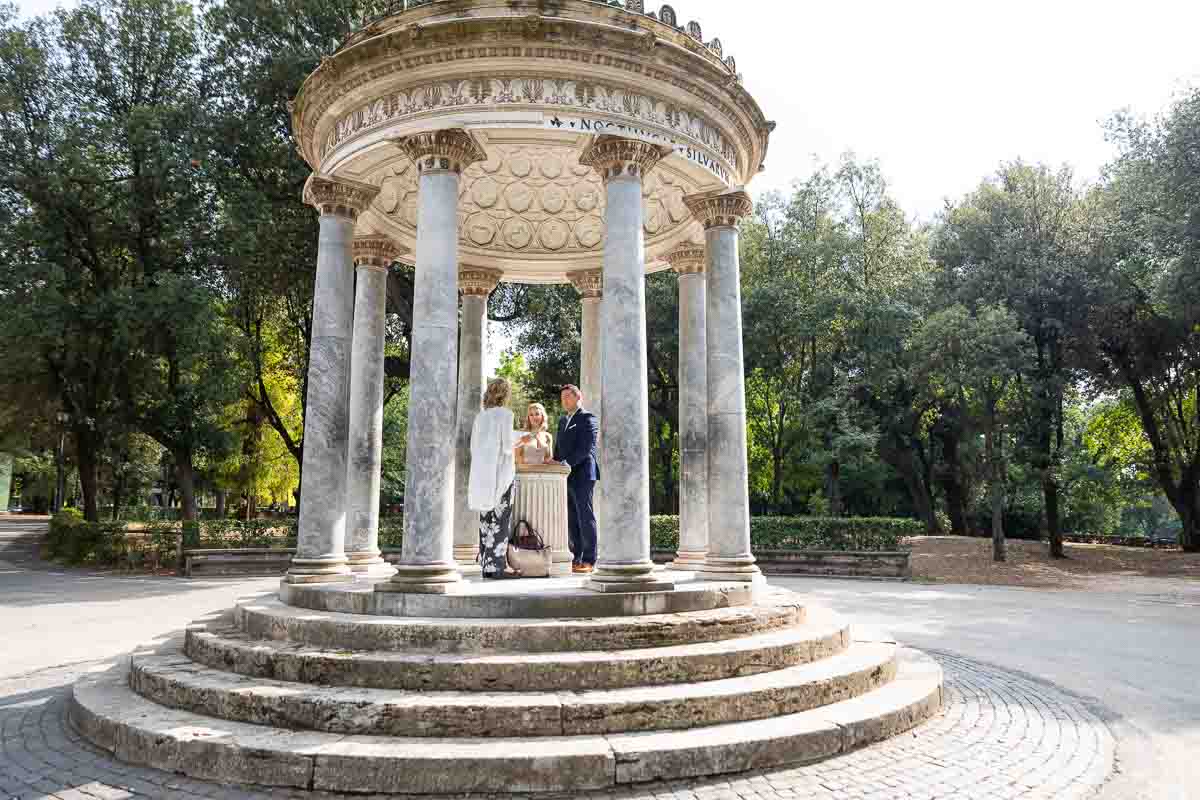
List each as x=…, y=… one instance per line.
x=451, y=150
x=615, y=156
x=375, y=251
x=338, y=196
x=589, y=283
x=686, y=259
x=478, y=281
x=719, y=209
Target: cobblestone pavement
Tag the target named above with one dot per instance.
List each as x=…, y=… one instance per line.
x=1001, y=735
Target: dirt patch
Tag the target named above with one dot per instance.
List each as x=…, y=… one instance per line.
x=961, y=559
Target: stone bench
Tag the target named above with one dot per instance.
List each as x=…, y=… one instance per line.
x=893, y=565
x=257, y=561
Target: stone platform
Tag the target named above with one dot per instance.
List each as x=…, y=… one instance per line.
x=441, y=696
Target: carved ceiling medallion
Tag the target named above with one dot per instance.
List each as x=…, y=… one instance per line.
x=534, y=199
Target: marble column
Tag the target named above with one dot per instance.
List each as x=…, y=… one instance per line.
x=590, y=285
x=320, y=549
x=373, y=256
x=475, y=286
x=729, y=556
x=623, y=562
x=427, y=562
x=688, y=261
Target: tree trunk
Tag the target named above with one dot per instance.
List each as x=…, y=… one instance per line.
x=901, y=460
x=89, y=481
x=1053, y=523
x=117, y=492
x=950, y=478
x=996, y=492
x=220, y=503
x=185, y=476
x=833, y=487
x=1187, y=505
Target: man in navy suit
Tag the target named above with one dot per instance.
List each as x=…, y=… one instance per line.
x=575, y=446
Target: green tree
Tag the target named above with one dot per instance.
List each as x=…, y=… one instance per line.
x=1140, y=334
x=1017, y=241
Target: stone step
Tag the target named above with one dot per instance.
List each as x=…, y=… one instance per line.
x=170, y=678
x=270, y=619
x=533, y=598
x=220, y=645
x=112, y=716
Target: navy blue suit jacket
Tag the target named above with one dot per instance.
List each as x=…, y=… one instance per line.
x=576, y=445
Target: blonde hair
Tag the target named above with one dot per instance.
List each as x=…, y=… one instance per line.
x=497, y=393
x=545, y=418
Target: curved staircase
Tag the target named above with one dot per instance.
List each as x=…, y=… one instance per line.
x=344, y=689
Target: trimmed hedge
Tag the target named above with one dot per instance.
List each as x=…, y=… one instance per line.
x=806, y=533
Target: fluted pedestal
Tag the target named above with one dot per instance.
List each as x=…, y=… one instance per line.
x=541, y=499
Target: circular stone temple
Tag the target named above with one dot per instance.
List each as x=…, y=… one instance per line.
x=532, y=141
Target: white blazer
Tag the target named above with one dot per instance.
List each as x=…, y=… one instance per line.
x=492, y=464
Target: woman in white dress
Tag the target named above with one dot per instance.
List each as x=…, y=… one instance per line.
x=536, y=446
x=490, y=486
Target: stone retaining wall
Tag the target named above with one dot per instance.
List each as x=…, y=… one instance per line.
x=826, y=563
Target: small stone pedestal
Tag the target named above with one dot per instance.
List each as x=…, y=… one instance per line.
x=541, y=499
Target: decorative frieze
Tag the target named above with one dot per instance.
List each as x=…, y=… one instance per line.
x=449, y=150
x=723, y=209
x=614, y=156
x=589, y=283
x=338, y=196
x=570, y=95
x=375, y=251
x=477, y=281
x=687, y=258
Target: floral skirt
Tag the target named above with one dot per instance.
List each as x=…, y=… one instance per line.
x=495, y=528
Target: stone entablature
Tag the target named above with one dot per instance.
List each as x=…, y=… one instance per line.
x=375, y=250
x=722, y=209
x=564, y=95
x=476, y=282
x=338, y=196
x=436, y=61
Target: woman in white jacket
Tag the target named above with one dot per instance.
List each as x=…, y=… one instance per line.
x=490, y=488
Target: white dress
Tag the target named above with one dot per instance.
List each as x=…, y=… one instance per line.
x=492, y=463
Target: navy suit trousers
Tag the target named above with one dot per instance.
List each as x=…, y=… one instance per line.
x=581, y=521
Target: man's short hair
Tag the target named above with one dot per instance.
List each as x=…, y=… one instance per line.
x=570, y=387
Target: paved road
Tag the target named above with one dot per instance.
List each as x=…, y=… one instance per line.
x=1132, y=650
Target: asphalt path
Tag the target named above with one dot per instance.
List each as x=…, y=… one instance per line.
x=1131, y=648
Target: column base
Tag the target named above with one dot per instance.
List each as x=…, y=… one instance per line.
x=466, y=553
x=738, y=568
x=437, y=578
x=688, y=561
x=370, y=565
x=628, y=578
x=318, y=571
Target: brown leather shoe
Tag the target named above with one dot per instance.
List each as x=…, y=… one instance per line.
x=586, y=568
x=577, y=568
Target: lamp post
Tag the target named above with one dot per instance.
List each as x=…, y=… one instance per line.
x=60, y=487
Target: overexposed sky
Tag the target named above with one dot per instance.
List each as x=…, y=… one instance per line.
x=942, y=91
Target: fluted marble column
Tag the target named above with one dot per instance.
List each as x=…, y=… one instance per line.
x=688, y=261
x=729, y=556
x=623, y=562
x=373, y=256
x=475, y=286
x=320, y=548
x=590, y=285
x=427, y=560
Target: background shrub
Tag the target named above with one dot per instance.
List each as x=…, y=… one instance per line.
x=806, y=533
